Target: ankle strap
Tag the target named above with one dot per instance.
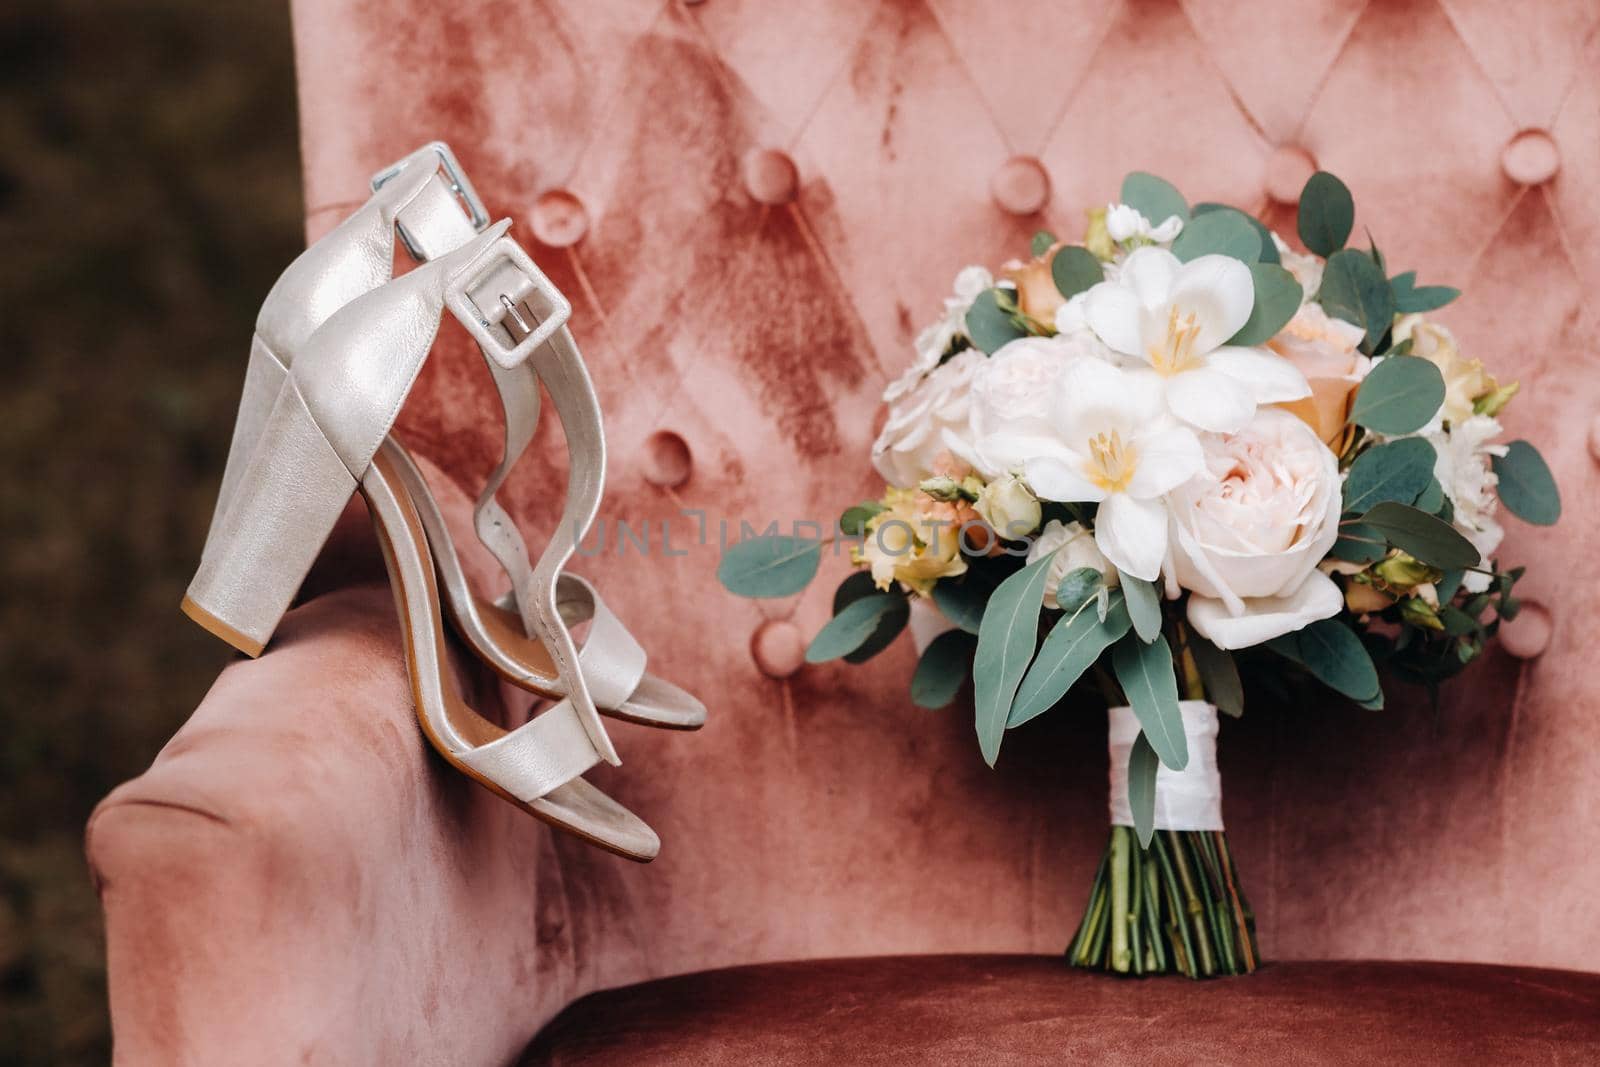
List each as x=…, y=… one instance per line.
x=513, y=298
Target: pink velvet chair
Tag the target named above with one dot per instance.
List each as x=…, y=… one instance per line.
x=753, y=206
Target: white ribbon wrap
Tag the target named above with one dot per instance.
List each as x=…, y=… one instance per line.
x=1190, y=799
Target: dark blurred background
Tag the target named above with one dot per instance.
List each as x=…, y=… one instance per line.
x=149, y=196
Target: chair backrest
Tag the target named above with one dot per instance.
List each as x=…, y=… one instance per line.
x=753, y=207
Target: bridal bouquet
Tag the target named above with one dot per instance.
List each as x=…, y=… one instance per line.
x=1133, y=466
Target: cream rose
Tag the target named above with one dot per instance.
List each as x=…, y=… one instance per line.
x=1013, y=400
x=1009, y=507
x=1323, y=348
x=931, y=419
x=1307, y=269
x=1074, y=546
x=1249, y=531
x=1464, y=379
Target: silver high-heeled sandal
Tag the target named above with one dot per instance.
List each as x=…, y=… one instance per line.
x=427, y=199
x=536, y=766
x=424, y=189
x=331, y=421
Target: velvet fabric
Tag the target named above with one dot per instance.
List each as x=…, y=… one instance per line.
x=1004, y=1010
x=296, y=877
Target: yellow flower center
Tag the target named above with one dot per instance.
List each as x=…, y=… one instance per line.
x=1175, y=353
x=1111, y=462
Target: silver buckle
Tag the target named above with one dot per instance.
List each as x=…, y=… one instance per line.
x=507, y=304
x=460, y=184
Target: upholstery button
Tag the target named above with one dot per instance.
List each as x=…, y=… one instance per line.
x=1594, y=438
x=778, y=648
x=1288, y=169
x=770, y=176
x=1530, y=158
x=666, y=459
x=559, y=219
x=1528, y=635
x=1021, y=186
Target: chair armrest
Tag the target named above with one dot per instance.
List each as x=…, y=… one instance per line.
x=298, y=877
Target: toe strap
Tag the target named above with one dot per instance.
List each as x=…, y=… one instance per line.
x=611, y=660
x=539, y=756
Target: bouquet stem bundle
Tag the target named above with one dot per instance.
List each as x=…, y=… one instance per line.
x=1173, y=908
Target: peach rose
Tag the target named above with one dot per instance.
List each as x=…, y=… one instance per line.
x=1037, y=294
x=1324, y=350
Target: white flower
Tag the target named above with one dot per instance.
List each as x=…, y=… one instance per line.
x=1124, y=223
x=1113, y=446
x=934, y=339
x=1074, y=547
x=930, y=419
x=1462, y=465
x=1307, y=269
x=1178, y=317
x=1070, y=321
x=1013, y=399
x=1009, y=507
x=1248, y=533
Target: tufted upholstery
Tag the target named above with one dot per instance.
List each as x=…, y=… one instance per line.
x=754, y=206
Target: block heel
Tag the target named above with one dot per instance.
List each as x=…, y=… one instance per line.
x=284, y=506
x=263, y=380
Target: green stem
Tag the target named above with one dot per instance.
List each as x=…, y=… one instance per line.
x=1192, y=906
x=1085, y=928
x=1120, y=960
x=1177, y=929
x=1242, y=914
x=1152, y=911
x=1135, y=902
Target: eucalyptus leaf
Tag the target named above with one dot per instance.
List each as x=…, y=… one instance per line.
x=1041, y=242
x=1075, y=269
x=773, y=565
x=1278, y=296
x=1076, y=586
x=1155, y=198
x=962, y=600
x=1430, y=539
x=853, y=588
x=1334, y=655
x=990, y=326
x=1399, y=395
x=890, y=624
x=1007, y=638
x=850, y=629
x=1431, y=499
x=1071, y=647
x=1327, y=214
x=1354, y=289
x=1219, y=674
x=1359, y=544
x=1142, y=768
x=1223, y=233
x=1399, y=470
x=1144, y=607
x=1410, y=297
x=1146, y=676
x=853, y=523
x=1527, y=488
x=1269, y=250
x=945, y=664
